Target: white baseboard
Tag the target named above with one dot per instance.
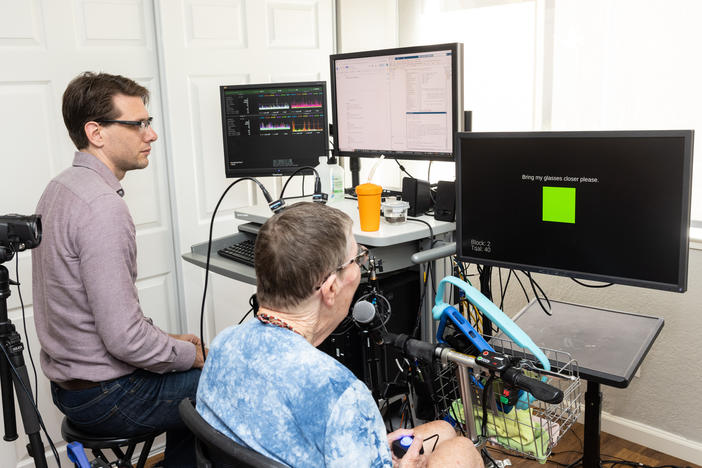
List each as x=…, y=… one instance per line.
x=158, y=447
x=648, y=436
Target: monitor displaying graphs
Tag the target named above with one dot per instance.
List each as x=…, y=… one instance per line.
x=271, y=129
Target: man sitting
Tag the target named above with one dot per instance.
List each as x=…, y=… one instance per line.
x=112, y=371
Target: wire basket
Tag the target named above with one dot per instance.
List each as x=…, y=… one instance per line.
x=531, y=428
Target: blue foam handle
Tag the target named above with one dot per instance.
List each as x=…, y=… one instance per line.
x=76, y=453
x=450, y=313
x=492, y=312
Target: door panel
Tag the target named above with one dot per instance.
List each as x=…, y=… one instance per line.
x=43, y=45
x=181, y=51
x=205, y=44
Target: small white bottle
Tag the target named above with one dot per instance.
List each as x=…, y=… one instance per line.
x=324, y=177
x=336, y=180
x=331, y=177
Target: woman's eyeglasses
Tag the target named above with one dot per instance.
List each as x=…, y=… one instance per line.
x=360, y=259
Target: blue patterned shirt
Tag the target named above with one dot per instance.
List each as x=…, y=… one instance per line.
x=269, y=389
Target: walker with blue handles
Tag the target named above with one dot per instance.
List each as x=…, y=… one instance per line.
x=444, y=312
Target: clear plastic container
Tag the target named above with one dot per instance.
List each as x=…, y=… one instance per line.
x=395, y=211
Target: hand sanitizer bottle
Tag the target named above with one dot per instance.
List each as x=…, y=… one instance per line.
x=324, y=177
x=336, y=180
x=331, y=176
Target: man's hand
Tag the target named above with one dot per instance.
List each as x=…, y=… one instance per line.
x=186, y=337
x=412, y=457
x=199, y=358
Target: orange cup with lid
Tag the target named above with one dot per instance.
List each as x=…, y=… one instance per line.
x=369, y=206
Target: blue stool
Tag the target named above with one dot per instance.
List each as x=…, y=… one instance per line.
x=97, y=444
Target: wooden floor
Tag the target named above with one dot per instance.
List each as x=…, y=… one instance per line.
x=153, y=460
x=570, y=448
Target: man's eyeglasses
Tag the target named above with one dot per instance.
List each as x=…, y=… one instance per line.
x=142, y=124
x=360, y=259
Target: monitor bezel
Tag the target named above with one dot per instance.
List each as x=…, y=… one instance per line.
x=270, y=171
x=456, y=49
x=686, y=187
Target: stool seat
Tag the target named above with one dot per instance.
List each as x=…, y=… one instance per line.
x=71, y=433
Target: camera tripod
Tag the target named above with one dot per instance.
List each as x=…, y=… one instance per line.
x=11, y=342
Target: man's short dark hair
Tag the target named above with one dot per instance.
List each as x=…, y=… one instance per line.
x=296, y=249
x=89, y=97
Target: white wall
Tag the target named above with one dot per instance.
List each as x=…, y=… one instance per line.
x=377, y=19
x=594, y=65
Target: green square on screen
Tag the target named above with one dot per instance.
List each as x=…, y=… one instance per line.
x=559, y=204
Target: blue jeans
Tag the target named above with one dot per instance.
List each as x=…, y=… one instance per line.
x=134, y=404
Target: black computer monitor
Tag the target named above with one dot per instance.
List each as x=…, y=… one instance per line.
x=612, y=206
x=273, y=128
x=405, y=103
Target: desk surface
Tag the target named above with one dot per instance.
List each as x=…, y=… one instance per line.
x=223, y=266
x=388, y=234
x=608, y=345
x=394, y=243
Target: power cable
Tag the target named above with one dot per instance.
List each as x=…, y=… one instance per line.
x=269, y=199
x=26, y=336
x=402, y=168
x=604, y=285
x=534, y=287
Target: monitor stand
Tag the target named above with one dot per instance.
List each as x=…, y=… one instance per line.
x=594, y=338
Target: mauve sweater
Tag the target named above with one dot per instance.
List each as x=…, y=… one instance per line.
x=86, y=308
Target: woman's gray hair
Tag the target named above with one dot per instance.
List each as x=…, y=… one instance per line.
x=295, y=250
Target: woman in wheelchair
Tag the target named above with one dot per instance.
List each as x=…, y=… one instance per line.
x=267, y=387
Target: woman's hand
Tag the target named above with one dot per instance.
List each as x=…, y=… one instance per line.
x=412, y=457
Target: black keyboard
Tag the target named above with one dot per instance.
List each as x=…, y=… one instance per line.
x=242, y=252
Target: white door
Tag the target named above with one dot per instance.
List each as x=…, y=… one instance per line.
x=205, y=44
x=43, y=44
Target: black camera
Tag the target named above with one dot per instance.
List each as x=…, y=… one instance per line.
x=19, y=232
